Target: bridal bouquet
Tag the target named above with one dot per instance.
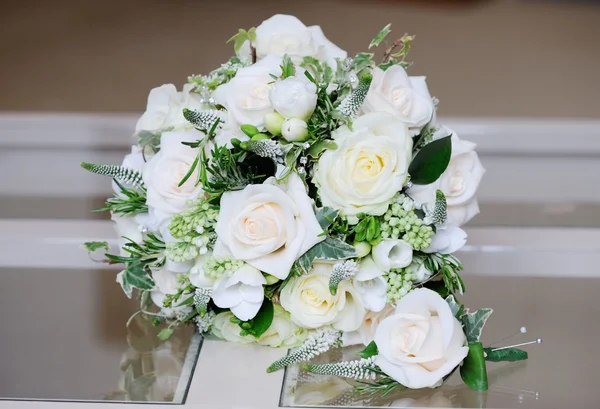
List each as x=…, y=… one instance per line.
x=298, y=198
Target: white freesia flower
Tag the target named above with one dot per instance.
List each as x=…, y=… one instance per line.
x=134, y=161
x=284, y=34
x=294, y=130
x=421, y=342
x=166, y=283
x=246, y=96
x=294, y=97
x=312, y=305
x=405, y=97
x=269, y=226
x=364, y=335
x=163, y=173
x=392, y=253
x=371, y=285
x=368, y=168
x=126, y=227
x=164, y=110
x=242, y=292
x=198, y=277
x=282, y=333
x=229, y=331
x=447, y=240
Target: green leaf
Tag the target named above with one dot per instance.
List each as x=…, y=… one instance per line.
x=380, y=36
x=290, y=163
x=136, y=276
x=319, y=147
x=369, y=351
x=326, y=216
x=329, y=249
x=473, y=371
x=439, y=287
x=263, y=319
x=431, y=161
x=456, y=307
x=92, y=246
x=474, y=323
x=125, y=285
x=241, y=37
x=188, y=301
x=505, y=355
x=288, y=69
x=165, y=333
x=252, y=34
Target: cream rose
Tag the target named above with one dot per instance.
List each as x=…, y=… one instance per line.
x=163, y=173
x=294, y=97
x=246, y=96
x=224, y=329
x=368, y=168
x=282, y=333
x=284, y=34
x=268, y=226
x=164, y=110
x=242, y=292
x=364, y=335
x=407, y=98
x=311, y=304
x=421, y=342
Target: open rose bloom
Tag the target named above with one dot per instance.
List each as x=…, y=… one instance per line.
x=298, y=198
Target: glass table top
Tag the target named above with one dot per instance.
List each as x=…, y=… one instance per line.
x=64, y=337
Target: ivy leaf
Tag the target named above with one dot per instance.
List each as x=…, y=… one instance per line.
x=473, y=371
x=329, y=249
x=431, y=161
x=92, y=246
x=290, y=162
x=241, y=37
x=505, y=355
x=326, y=216
x=135, y=276
x=125, y=285
x=165, y=333
x=380, y=36
x=474, y=322
x=456, y=307
x=369, y=351
x=362, y=61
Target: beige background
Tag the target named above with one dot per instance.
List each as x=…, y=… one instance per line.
x=482, y=58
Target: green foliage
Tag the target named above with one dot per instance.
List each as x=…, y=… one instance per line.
x=220, y=76
x=317, y=148
x=393, y=56
x=456, y=307
x=505, y=355
x=260, y=323
x=326, y=216
x=474, y=323
x=363, y=62
x=241, y=37
x=350, y=105
x=329, y=249
x=431, y=161
x=150, y=140
x=130, y=202
x=119, y=173
x=448, y=266
x=135, y=275
x=165, y=333
x=380, y=36
x=290, y=160
x=92, y=246
x=382, y=386
x=288, y=69
x=473, y=371
x=368, y=229
x=369, y=351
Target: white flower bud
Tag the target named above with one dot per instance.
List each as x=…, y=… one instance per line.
x=362, y=248
x=274, y=122
x=294, y=97
x=294, y=130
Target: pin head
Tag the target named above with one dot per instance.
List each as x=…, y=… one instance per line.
x=523, y=329
x=539, y=340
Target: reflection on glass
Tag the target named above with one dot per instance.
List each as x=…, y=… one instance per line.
x=64, y=337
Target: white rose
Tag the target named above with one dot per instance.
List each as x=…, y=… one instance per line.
x=269, y=226
x=447, y=240
x=229, y=331
x=311, y=304
x=164, y=110
x=134, y=161
x=166, y=283
x=392, y=253
x=460, y=214
x=242, y=292
x=405, y=97
x=421, y=342
x=294, y=97
x=368, y=168
x=164, y=171
x=246, y=96
x=364, y=335
x=294, y=130
x=284, y=34
x=371, y=285
x=282, y=333
x=126, y=227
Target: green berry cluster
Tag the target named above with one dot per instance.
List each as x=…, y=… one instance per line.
x=182, y=251
x=216, y=268
x=399, y=223
x=400, y=282
x=195, y=230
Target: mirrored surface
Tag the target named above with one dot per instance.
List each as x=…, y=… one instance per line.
x=560, y=372
x=65, y=337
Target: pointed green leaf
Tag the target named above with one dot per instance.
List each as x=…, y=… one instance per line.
x=505, y=355
x=474, y=322
x=473, y=371
x=263, y=319
x=329, y=249
x=125, y=285
x=455, y=306
x=380, y=36
x=165, y=333
x=369, y=351
x=431, y=161
x=326, y=216
x=319, y=147
x=92, y=246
